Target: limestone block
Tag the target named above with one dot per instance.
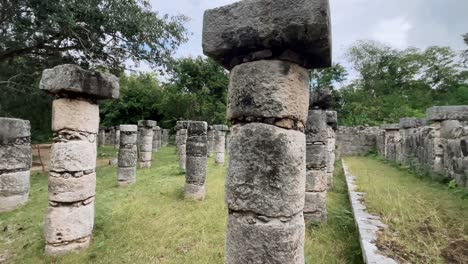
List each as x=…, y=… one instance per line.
x=126, y=176
x=69, y=189
x=269, y=89
x=332, y=119
x=128, y=128
x=410, y=122
x=321, y=99
x=62, y=249
x=315, y=202
x=11, y=129
x=196, y=170
x=451, y=129
x=128, y=138
x=253, y=239
x=194, y=192
x=145, y=164
x=316, y=181
x=197, y=128
x=77, y=115
x=390, y=127
x=147, y=123
x=439, y=113
x=197, y=146
x=266, y=170
x=15, y=157
x=146, y=156
x=257, y=29
x=70, y=78
x=12, y=202
x=73, y=156
x=128, y=156
x=219, y=158
x=68, y=223
x=222, y=128
x=316, y=127
x=316, y=156
x=14, y=183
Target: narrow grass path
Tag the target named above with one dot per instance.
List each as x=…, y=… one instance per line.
x=150, y=222
x=428, y=222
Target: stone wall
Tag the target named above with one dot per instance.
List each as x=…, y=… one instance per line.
x=358, y=140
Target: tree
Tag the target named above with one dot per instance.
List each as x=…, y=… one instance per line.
x=328, y=77
x=98, y=34
x=465, y=53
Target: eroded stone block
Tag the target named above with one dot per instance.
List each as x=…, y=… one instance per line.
x=12, y=128
x=439, y=113
x=14, y=183
x=77, y=115
x=68, y=189
x=73, y=156
x=15, y=157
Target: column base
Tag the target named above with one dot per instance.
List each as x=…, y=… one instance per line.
x=219, y=158
x=194, y=192
x=145, y=164
x=68, y=247
x=13, y=202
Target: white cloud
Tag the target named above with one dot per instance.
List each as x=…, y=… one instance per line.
x=392, y=31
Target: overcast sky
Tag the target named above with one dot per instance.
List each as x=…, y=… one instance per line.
x=399, y=23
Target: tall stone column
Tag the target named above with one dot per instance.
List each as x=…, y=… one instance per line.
x=157, y=138
x=210, y=142
x=128, y=155
x=15, y=163
x=165, y=137
x=220, y=142
x=102, y=138
x=268, y=46
x=112, y=136
x=72, y=178
x=332, y=126
x=196, y=160
x=117, y=137
x=146, y=142
x=182, y=143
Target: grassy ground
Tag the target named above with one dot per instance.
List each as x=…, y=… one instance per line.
x=428, y=222
x=150, y=222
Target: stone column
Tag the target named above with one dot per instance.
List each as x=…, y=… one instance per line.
x=165, y=137
x=407, y=126
x=196, y=160
x=391, y=141
x=146, y=142
x=157, y=138
x=315, y=208
x=72, y=178
x=220, y=142
x=15, y=163
x=181, y=143
x=128, y=155
x=269, y=47
x=332, y=126
x=117, y=137
x=102, y=138
x=210, y=142
x=112, y=136
x=450, y=141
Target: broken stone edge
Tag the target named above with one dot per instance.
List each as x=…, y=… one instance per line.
x=368, y=225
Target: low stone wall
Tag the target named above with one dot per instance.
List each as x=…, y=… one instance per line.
x=358, y=140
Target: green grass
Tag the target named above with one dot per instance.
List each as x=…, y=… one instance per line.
x=150, y=222
x=428, y=222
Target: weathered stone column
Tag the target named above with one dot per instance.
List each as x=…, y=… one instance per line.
x=407, y=126
x=210, y=140
x=315, y=208
x=196, y=160
x=72, y=178
x=128, y=155
x=268, y=45
x=112, y=136
x=220, y=142
x=156, y=139
x=146, y=142
x=392, y=141
x=165, y=137
x=182, y=143
x=15, y=163
x=332, y=126
x=117, y=137
x=102, y=138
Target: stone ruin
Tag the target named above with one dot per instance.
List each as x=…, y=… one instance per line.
x=358, y=140
x=102, y=138
x=72, y=178
x=145, y=147
x=128, y=155
x=210, y=144
x=116, y=137
x=196, y=160
x=320, y=155
x=268, y=46
x=220, y=142
x=165, y=137
x=157, y=138
x=181, y=141
x=15, y=165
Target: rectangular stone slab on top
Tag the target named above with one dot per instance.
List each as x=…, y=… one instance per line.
x=249, y=30
x=438, y=113
x=72, y=79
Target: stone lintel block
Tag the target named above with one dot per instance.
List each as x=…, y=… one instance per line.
x=14, y=183
x=315, y=202
x=390, y=127
x=128, y=156
x=128, y=128
x=73, y=156
x=266, y=170
x=439, y=113
x=269, y=89
x=197, y=128
x=316, y=180
x=253, y=239
x=126, y=176
x=221, y=128
x=12, y=202
x=68, y=189
x=410, y=122
x=194, y=192
x=77, y=115
x=69, y=78
x=68, y=223
x=15, y=157
x=12, y=128
x=147, y=123
x=296, y=30
x=196, y=170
